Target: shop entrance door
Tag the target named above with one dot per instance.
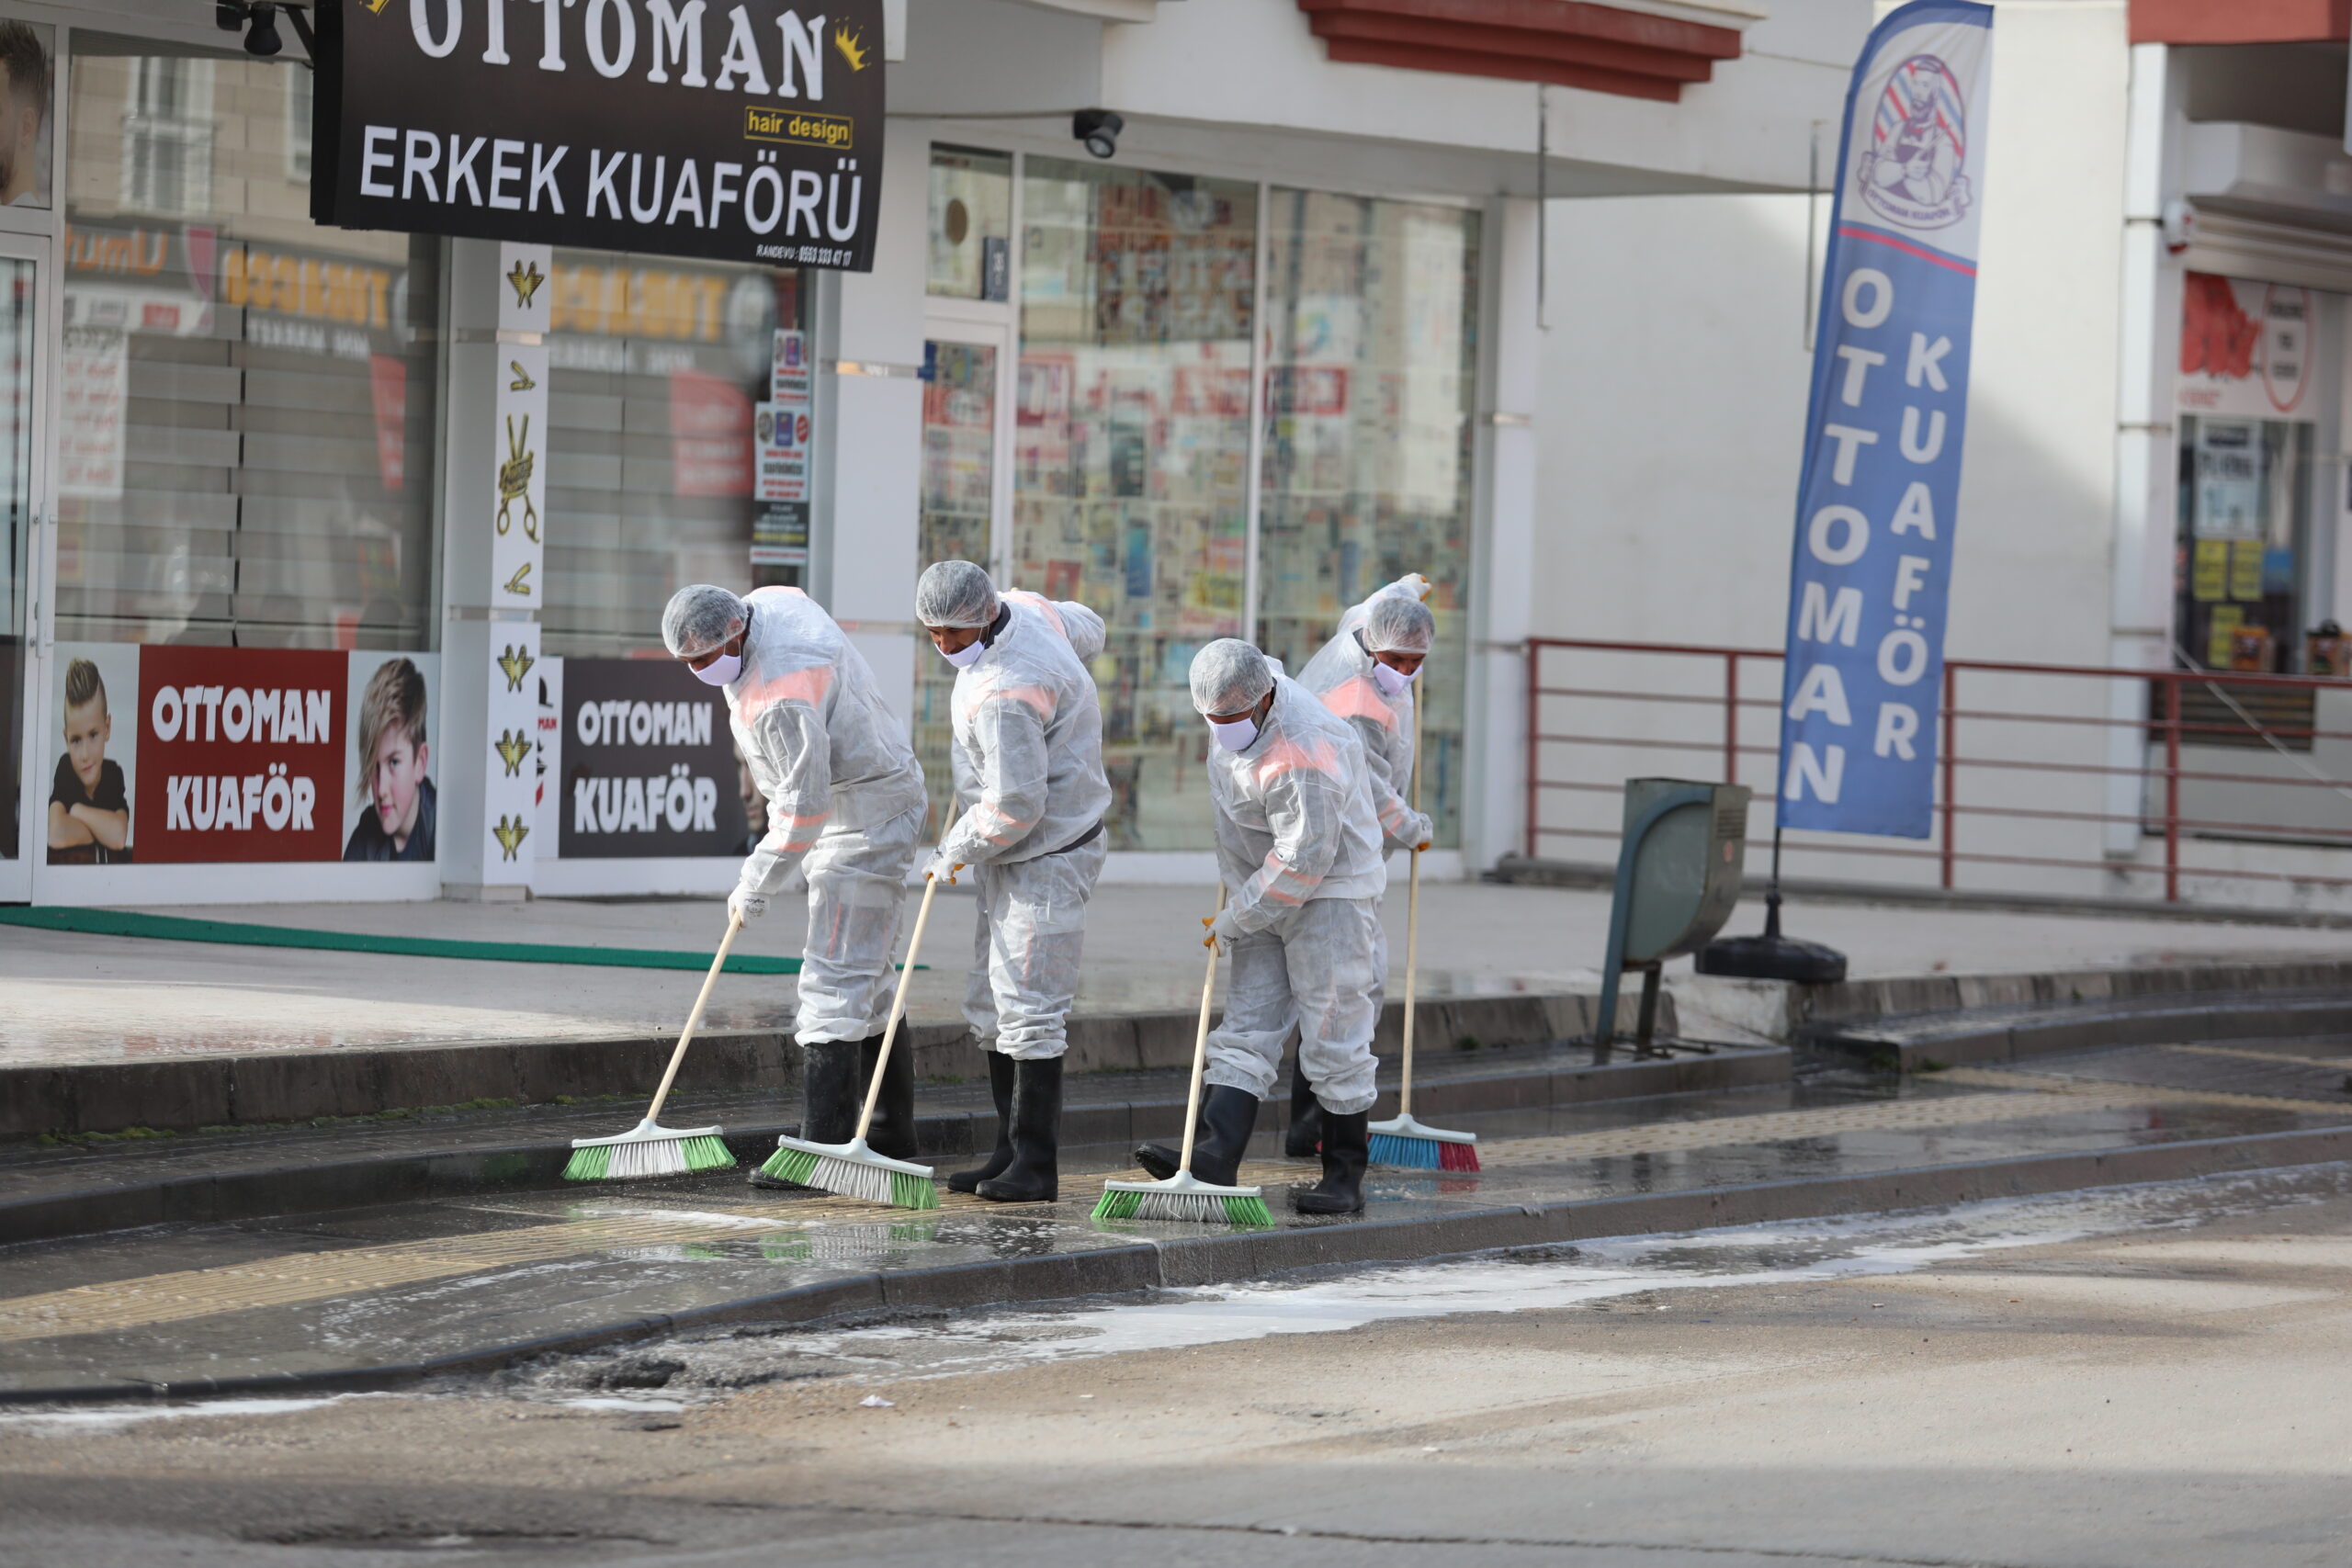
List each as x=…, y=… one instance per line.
x=966, y=488
x=24, y=617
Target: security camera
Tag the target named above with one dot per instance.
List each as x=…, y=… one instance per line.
x=262, y=38
x=1099, y=129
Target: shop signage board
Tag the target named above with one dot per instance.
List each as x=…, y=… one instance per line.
x=169, y=754
x=1878, y=499
x=2247, y=348
x=745, y=132
x=647, y=763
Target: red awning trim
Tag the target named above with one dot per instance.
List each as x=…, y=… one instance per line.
x=2241, y=21
x=1566, y=42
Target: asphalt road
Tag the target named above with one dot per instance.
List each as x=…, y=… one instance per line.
x=2015, y=1391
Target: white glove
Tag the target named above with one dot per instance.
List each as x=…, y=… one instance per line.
x=942, y=869
x=1223, y=931
x=1419, y=831
x=746, y=907
x=1413, y=583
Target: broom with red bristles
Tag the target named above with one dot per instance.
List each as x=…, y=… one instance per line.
x=1403, y=1140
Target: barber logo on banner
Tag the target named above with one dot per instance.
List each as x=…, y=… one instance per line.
x=1879, y=491
x=746, y=132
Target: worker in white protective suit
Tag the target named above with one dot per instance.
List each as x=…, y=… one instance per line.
x=1366, y=674
x=1031, y=794
x=1299, y=849
x=846, y=804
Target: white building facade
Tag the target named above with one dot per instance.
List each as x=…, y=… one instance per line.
x=336, y=559
x=2156, y=477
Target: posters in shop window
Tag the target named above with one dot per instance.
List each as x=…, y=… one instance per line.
x=746, y=132
x=163, y=754
x=647, y=763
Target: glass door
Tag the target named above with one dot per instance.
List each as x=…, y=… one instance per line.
x=23, y=812
x=963, y=370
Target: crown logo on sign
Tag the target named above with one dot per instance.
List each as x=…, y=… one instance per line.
x=525, y=284
x=852, y=46
x=511, y=749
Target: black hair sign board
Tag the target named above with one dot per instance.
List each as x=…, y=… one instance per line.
x=745, y=130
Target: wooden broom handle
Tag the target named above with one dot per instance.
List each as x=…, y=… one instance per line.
x=1412, y=928
x=898, y=1008
x=1200, y=1043
x=694, y=1018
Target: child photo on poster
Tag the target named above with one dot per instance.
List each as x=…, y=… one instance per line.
x=395, y=800
x=89, y=795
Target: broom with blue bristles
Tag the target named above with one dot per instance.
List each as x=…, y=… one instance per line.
x=650, y=1148
x=852, y=1169
x=1184, y=1196
x=1403, y=1140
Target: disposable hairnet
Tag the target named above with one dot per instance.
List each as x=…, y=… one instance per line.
x=1398, y=625
x=1230, y=675
x=956, y=594
x=701, y=617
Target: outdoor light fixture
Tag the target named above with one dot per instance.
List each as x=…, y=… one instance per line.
x=1099, y=129
x=262, y=37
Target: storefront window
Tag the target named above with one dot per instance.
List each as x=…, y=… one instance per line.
x=678, y=394
x=245, y=400
x=1131, y=452
x=971, y=223
x=1373, y=313
x=958, y=473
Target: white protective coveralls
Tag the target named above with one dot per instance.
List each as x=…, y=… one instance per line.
x=1029, y=779
x=845, y=800
x=1300, y=852
x=1340, y=673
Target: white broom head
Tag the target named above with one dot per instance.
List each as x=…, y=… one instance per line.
x=1405, y=1127
x=651, y=1149
x=852, y=1170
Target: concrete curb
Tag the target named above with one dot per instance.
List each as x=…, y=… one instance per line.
x=2011, y=1034
x=440, y=1167
x=1212, y=1259
x=182, y=1093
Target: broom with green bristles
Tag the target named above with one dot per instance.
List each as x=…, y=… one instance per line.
x=1403, y=1140
x=852, y=1169
x=1184, y=1196
x=650, y=1148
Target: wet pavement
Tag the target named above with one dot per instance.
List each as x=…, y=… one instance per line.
x=373, y=1295
x=78, y=998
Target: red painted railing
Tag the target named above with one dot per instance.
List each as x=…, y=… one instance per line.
x=1652, y=707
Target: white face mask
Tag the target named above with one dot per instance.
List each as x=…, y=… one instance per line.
x=1236, y=735
x=967, y=656
x=721, y=670
x=1391, y=680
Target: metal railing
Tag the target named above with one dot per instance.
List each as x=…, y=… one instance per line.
x=1995, y=763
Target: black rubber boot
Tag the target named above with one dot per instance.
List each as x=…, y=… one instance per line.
x=1346, y=1150
x=829, y=1087
x=893, y=1133
x=1305, y=1134
x=999, y=1089
x=1228, y=1115
x=1035, y=1175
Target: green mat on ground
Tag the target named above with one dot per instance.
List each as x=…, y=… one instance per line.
x=175, y=927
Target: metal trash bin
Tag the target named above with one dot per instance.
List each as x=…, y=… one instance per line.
x=1679, y=867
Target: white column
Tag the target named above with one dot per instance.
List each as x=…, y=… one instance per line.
x=493, y=571
x=2140, y=599
x=870, y=357
x=1500, y=585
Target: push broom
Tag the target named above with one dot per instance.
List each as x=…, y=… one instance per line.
x=1184, y=1196
x=1403, y=1140
x=852, y=1169
x=650, y=1148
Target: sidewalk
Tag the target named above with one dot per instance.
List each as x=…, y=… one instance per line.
x=380, y=1296
x=69, y=998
